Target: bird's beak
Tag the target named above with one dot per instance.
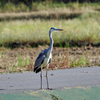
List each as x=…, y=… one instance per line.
x=60, y=30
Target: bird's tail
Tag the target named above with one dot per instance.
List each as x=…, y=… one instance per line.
x=36, y=70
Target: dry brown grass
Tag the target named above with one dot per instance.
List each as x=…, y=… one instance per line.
x=22, y=59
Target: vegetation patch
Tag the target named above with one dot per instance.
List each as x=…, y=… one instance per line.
x=81, y=31
x=23, y=59
x=81, y=23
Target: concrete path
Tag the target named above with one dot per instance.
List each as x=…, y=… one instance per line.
x=18, y=82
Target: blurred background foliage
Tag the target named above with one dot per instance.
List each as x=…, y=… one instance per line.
x=30, y=2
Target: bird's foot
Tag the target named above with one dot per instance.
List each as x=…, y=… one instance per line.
x=50, y=89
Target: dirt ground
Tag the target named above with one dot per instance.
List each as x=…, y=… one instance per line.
x=23, y=58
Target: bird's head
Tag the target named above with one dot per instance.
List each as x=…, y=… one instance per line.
x=53, y=29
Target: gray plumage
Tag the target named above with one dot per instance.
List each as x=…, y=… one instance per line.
x=45, y=57
x=40, y=60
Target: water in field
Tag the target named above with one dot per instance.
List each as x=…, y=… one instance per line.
x=76, y=93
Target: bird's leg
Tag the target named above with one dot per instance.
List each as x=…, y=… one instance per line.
x=41, y=77
x=47, y=77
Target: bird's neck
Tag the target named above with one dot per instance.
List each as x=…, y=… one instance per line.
x=51, y=41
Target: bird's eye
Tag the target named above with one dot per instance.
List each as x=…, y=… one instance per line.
x=52, y=28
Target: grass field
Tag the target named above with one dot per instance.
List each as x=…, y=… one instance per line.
x=84, y=28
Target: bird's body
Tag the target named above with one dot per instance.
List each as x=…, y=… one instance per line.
x=44, y=58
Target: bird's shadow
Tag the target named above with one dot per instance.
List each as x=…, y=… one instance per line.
x=48, y=89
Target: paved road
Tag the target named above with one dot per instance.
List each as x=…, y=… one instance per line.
x=87, y=76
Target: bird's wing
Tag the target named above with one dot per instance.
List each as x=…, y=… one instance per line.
x=40, y=59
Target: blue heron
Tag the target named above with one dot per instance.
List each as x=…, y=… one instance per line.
x=44, y=58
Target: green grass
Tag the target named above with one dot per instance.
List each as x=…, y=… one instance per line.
x=84, y=28
x=81, y=62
